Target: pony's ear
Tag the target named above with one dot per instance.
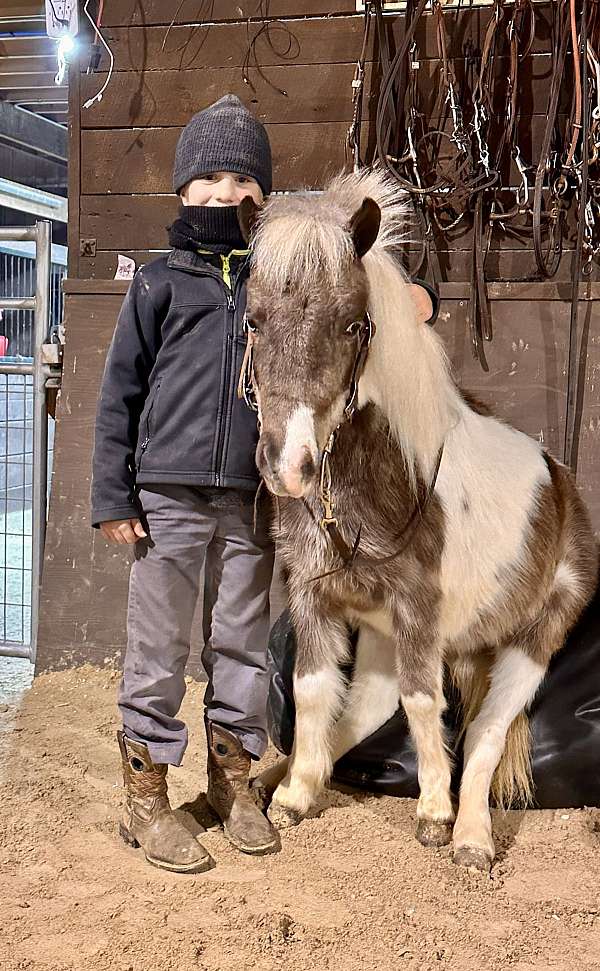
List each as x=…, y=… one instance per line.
x=247, y=211
x=364, y=226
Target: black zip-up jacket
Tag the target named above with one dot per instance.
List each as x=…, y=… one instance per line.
x=168, y=410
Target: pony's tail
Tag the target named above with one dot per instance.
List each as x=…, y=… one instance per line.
x=512, y=784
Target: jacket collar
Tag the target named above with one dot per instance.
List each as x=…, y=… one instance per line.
x=193, y=262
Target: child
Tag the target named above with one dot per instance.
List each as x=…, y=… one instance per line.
x=173, y=440
x=174, y=473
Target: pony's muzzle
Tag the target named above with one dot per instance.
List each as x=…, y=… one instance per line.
x=285, y=475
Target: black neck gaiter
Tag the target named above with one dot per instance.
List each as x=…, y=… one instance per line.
x=215, y=227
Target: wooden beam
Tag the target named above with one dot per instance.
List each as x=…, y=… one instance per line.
x=20, y=95
x=328, y=40
x=12, y=77
x=27, y=47
x=24, y=198
x=25, y=8
x=25, y=65
x=74, y=147
x=130, y=13
x=161, y=99
x=28, y=131
x=140, y=160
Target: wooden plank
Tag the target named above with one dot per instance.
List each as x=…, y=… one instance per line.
x=28, y=65
x=334, y=40
x=29, y=169
x=33, y=47
x=139, y=222
x=74, y=194
x=526, y=384
x=546, y=290
x=170, y=98
x=28, y=131
x=131, y=13
x=504, y=265
x=94, y=287
x=128, y=222
x=48, y=92
x=11, y=76
x=588, y=472
x=501, y=265
x=141, y=160
x=197, y=45
x=81, y=575
x=25, y=8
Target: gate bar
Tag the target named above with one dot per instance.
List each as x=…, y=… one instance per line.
x=19, y=234
x=43, y=254
x=17, y=303
x=17, y=650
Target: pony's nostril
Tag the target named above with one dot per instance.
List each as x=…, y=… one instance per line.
x=266, y=454
x=307, y=469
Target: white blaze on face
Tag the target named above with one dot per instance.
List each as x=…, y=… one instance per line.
x=299, y=443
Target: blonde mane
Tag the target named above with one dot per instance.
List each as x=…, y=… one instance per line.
x=298, y=233
x=304, y=237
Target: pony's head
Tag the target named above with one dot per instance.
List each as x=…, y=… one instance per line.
x=307, y=299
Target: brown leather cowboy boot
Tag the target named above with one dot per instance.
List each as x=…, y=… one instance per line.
x=230, y=795
x=149, y=821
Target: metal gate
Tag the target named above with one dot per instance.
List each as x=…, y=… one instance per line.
x=24, y=378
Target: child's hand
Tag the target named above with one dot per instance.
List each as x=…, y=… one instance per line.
x=122, y=531
x=422, y=302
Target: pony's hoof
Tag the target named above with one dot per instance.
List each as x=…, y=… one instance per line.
x=434, y=832
x=282, y=817
x=473, y=856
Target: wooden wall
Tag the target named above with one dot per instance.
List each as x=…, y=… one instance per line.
x=121, y=154
x=124, y=145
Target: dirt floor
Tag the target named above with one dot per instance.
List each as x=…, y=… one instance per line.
x=350, y=890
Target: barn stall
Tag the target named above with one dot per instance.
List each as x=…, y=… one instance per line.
x=75, y=893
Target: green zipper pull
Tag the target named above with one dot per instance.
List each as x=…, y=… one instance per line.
x=226, y=271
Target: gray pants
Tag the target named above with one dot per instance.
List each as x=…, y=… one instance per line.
x=187, y=532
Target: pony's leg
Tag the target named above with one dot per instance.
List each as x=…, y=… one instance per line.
x=372, y=698
x=514, y=680
x=319, y=687
x=374, y=692
x=423, y=699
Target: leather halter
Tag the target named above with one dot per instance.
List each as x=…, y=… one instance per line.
x=364, y=330
x=328, y=521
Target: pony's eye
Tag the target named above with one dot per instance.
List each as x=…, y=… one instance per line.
x=353, y=328
x=250, y=325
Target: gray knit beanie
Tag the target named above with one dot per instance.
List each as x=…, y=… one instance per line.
x=223, y=138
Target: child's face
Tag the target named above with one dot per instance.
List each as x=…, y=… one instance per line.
x=221, y=189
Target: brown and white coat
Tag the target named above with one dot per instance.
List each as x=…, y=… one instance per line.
x=503, y=559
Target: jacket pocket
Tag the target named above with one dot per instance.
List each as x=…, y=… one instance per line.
x=150, y=421
x=195, y=314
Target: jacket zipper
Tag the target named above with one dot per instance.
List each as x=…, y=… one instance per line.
x=225, y=278
x=226, y=274
x=144, y=445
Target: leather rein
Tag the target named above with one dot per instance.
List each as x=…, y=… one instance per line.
x=363, y=330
